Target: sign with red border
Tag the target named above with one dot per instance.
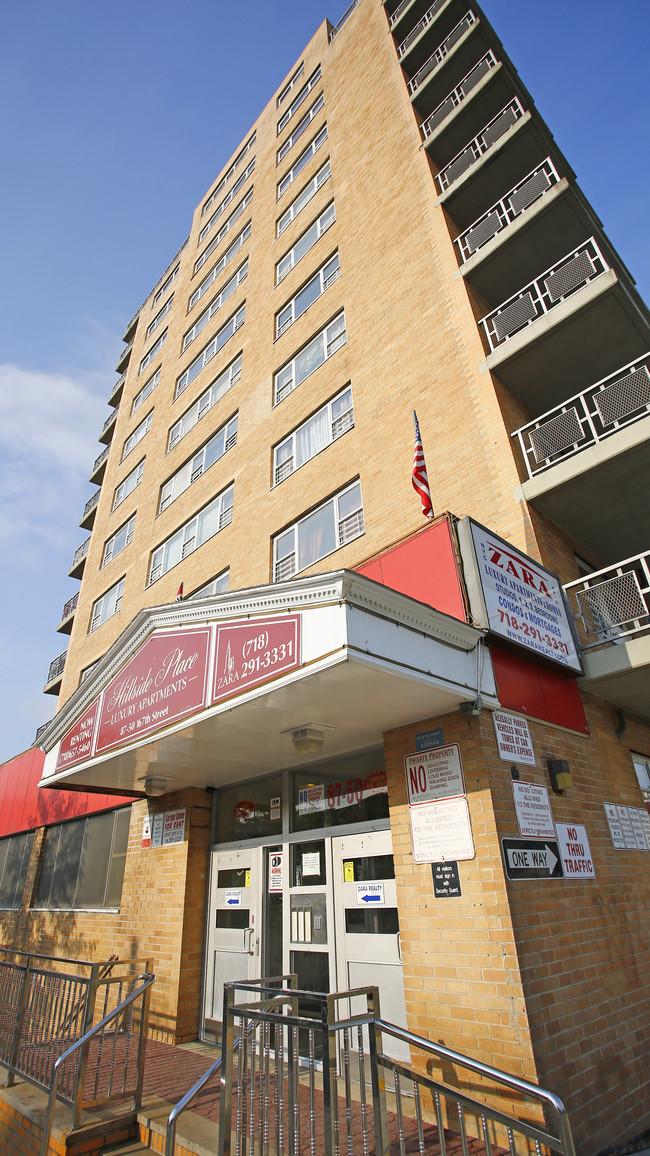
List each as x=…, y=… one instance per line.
x=434, y=774
x=254, y=651
x=77, y=742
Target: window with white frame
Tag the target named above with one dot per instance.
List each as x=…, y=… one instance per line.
x=299, y=98
x=321, y=347
x=288, y=87
x=117, y=543
x=310, y=292
x=223, y=231
x=106, y=606
x=314, y=435
x=220, y=442
x=215, y=305
x=304, y=197
x=303, y=159
x=159, y=315
x=319, y=533
x=218, y=585
x=305, y=242
x=231, y=326
x=151, y=353
x=642, y=768
x=231, y=172
x=220, y=265
x=164, y=287
x=147, y=388
x=128, y=485
x=239, y=184
x=137, y=435
x=225, y=381
x=300, y=128
x=204, y=525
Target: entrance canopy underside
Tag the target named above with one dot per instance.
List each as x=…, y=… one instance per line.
x=367, y=659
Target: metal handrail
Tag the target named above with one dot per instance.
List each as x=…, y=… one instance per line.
x=102, y=458
x=348, y=12
x=91, y=503
x=508, y=115
x=442, y=50
x=458, y=94
x=80, y=552
x=84, y=1043
x=110, y=419
x=612, y=604
x=429, y=15
x=56, y=666
x=70, y=605
x=187, y=1099
x=511, y=205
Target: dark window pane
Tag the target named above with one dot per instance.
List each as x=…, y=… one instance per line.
x=344, y=791
x=368, y=867
x=118, y=858
x=14, y=860
x=234, y=920
x=66, y=868
x=95, y=856
x=382, y=921
x=308, y=864
x=48, y=859
x=244, y=812
x=234, y=877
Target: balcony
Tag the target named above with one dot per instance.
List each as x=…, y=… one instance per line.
x=108, y=428
x=55, y=675
x=409, y=41
x=585, y=453
x=441, y=53
x=125, y=358
x=90, y=509
x=43, y=727
x=507, y=209
x=611, y=609
x=79, y=560
x=99, y=468
x=480, y=144
x=129, y=332
x=457, y=95
x=67, y=615
x=116, y=392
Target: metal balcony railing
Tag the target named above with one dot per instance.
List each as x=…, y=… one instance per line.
x=102, y=458
x=568, y=275
x=442, y=50
x=515, y=202
x=110, y=419
x=56, y=667
x=70, y=605
x=429, y=15
x=348, y=12
x=43, y=727
x=124, y=357
x=459, y=93
x=118, y=384
x=80, y=552
x=392, y=20
x=612, y=604
x=488, y=136
x=91, y=503
x=586, y=418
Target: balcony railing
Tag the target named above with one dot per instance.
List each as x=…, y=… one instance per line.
x=348, y=12
x=110, y=419
x=586, y=418
x=70, y=606
x=102, y=458
x=442, y=50
x=429, y=15
x=39, y=731
x=459, y=93
x=80, y=552
x=488, y=136
x=119, y=385
x=398, y=12
x=90, y=504
x=568, y=275
x=515, y=202
x=56, y=668
x=124, y=357
x=612, y=604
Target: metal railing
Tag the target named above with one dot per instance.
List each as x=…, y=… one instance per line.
x=480, y=144
x=80, y=552
x=118, y=385
x=571, y=273
x=307, y=1072
x=612, y=604
x=348, y=12
x=459, y=93
x=501, y=214
x=102, y=458
x=70, y=605
x=110, y=419
x=91, y=503
x=442, y=50
x=39, y=731
x=392, y=20
x=589, y=417
x=56, y=667
x=124, y=358
x=428, y=17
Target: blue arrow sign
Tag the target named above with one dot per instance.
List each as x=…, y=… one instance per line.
x=371, y=898
x=232, y=902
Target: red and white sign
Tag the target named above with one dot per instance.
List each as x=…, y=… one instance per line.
x=276, y=877
x=146, y=831
x=434, y=774
x=254, y=651
x=575, y=851
x=513, y=739
x=174, y=827
x=164, y=681
x=76, y=744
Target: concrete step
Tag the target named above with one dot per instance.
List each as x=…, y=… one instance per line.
x=130, y=1148
x=194, y=1134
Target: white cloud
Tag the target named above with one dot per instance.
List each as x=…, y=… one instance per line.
x=49, y=418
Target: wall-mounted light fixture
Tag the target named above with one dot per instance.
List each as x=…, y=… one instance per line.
x=560, y=774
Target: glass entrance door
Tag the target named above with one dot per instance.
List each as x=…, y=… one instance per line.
x=234, y=926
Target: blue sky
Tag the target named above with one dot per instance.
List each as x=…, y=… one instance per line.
x=117, y=117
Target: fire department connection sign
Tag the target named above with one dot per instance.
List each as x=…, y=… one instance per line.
x=522, y=601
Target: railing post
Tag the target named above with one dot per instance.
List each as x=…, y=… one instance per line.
x=20, y=1019
x=80, y=1079
x=227, y=1052
x=142, y=1042
x=377, y=1080
x=330, y=1089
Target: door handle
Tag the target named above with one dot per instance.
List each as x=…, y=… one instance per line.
x=399, y=946
x=249, y=931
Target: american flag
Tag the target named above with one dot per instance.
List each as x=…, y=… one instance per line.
x=419, y=475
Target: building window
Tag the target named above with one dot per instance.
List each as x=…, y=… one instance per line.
x=239, y=183
x=117, y=543
x=164, y=287
x=225, y=228
x=83, y=862
x=15, y=854
x=218, y=341
x=318, y=534
x=225, y=381
x=310, y=292
x=314, y=435
x=305, y=242
x=231, y=172
x=642, y=768
x=220, y=442
x=137, y=434
x=299, y=98
x=151, y=353
x=321, y=347
x=147, y=388
x=159, y=315
x=204, y=525
x=220, y=266
x=215, y=304
x=303, y=160
x=287, y=88
x=304, y=197
x=300, y=128
x=218, y=585
x=128, y=485
x=106, y=606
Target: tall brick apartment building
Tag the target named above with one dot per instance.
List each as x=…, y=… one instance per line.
x=365, y=747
